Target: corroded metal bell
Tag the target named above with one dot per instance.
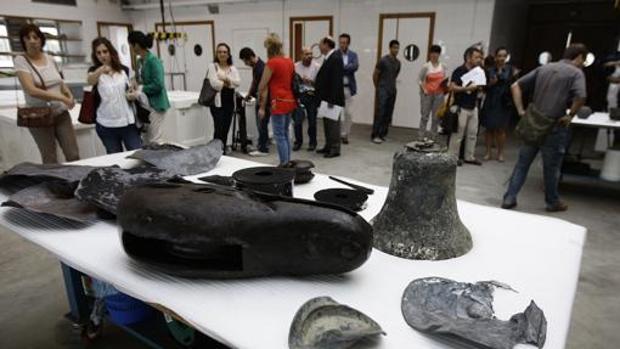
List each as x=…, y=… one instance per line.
x=419, y=219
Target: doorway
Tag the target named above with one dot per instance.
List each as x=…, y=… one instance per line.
x=117, y=34
x=415, y=32
x=307, y=31
x=186, y=59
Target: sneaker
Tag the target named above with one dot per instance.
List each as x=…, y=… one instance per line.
x=474, y=162
x=258, y=153
x=559, y=207
x=377, y=140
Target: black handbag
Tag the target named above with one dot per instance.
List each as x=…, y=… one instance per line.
x=450, y=119
x=207, y=92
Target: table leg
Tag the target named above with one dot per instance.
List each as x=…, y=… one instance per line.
x=78, y=303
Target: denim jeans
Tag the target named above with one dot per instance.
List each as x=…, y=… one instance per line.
x=552, y=150
x=280, y=124
x=429, y=104
x=262, y=126
x=383, y=116
x=309, y=108
x=113, y=138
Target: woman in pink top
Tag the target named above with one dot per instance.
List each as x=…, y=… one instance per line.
x=432, y=80
x=278, y=77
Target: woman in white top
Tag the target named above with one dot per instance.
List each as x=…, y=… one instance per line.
x=224, y=78
x=31, y=68
x=116, y=121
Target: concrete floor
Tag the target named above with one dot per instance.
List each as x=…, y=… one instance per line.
x=33, y=301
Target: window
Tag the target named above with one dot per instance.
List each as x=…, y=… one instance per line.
x=52, y=44
x=5, y=60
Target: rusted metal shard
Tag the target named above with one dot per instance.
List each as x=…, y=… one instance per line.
x=104, y=187
x=53, y=198
x=463, y=312
x=303, y=170
x=322, y=323
x=185, y=162
x=27, y=174
x=220, y=232
x=227, y=181
x=266, y=179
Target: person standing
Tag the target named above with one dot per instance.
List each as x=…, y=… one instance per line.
x=432, y=80
x=330, y=89
x=250, y=59
x=43, y=85
x=277, y=84
x=498, y=107
x=152, y=84
x=224, y=78
x=466, y=98
x=384, y=79
x=351, y=64
x=115, y=118
x=307, y=69
x=553, y=87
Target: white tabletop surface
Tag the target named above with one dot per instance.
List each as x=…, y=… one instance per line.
x=538, y=256
x=597, y=119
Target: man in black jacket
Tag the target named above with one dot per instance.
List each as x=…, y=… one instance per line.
x=330, y=89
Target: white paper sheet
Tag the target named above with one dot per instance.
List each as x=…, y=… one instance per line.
x=475, y=76
x=331, y=113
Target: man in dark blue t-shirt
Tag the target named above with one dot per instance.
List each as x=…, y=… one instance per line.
x=465, y=97
x=250, y=59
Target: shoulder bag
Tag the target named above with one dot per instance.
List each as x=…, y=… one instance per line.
x=534, y=126
x=36, y=117
x=207, y=92
x=449, y=116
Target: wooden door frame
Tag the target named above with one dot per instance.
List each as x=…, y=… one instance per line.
x=210, y=23
x=431, y=31
x=129, y=30
x=101, y=24
x=330, y=19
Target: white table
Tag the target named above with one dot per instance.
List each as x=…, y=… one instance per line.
x=600, y=120
x=17, y=144
x=538, y=256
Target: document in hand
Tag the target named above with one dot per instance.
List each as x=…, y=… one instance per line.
x=332, y=113
x=475, y=77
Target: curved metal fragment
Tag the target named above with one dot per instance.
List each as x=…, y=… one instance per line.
x=322, y=323
x=104, y=187
x=463, y=312
x=54, y=198
x=184, y=162
x=27, y=174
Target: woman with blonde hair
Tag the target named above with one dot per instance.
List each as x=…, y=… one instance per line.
x=278, y=81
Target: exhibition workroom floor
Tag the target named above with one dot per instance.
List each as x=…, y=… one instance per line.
x=33, y=301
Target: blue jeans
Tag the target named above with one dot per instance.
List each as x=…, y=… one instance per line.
x=280, y=124
x=262, y=126
x=384, y=112
x=309, y=108
x=113, y=138
x=552, y=150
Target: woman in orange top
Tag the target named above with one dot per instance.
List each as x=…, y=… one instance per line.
x=278, y=78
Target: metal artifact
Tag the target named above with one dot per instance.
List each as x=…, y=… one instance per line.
x=463, y=313
x=419, y=219
x=184, y=162
x=322, y=323
x=220, y=232
x=266, y=179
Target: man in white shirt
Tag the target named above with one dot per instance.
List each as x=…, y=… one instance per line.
x=307, y=69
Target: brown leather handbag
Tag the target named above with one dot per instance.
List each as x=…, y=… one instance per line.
x=35, y=117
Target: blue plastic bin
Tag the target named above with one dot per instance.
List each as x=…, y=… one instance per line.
x=125, y=310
